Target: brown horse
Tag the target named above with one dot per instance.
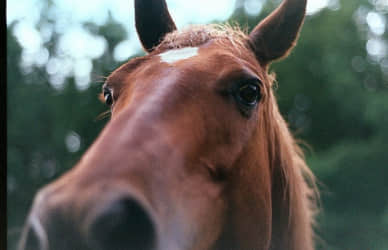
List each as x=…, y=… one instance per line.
x=196, y=155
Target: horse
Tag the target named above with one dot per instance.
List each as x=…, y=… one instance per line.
x=196, y=155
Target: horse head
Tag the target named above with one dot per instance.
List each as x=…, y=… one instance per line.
x=196, y=155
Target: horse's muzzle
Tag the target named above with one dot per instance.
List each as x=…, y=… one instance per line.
x=121, y=224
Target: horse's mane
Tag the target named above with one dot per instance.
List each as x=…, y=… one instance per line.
x=197, y=35
x=294, y=192
x=294, y=186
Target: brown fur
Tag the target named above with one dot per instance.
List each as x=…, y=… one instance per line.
x=206, y=176
x=293, y=182
x=276, y=35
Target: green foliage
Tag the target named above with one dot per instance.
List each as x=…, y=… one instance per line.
x=333, y=95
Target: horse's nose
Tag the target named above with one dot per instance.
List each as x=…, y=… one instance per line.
x=123, y=224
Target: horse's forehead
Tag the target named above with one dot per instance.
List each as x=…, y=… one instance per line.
x=175, y=55
x=206, y=58
x=210, y=58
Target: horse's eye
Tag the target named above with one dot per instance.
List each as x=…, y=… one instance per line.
x=108, y=96
x=248, y=94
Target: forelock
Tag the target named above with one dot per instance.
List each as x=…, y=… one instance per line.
x=197, y=35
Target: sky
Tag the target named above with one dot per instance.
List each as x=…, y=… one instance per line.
x=78, y=47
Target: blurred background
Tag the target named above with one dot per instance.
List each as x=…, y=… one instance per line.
x=333, y=91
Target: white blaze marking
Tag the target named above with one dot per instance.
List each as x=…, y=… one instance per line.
x=175, y=55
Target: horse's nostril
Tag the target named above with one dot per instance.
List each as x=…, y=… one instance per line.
x=125, y=224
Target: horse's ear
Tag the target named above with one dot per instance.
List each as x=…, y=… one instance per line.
x=276, y=35
x=153, y=22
